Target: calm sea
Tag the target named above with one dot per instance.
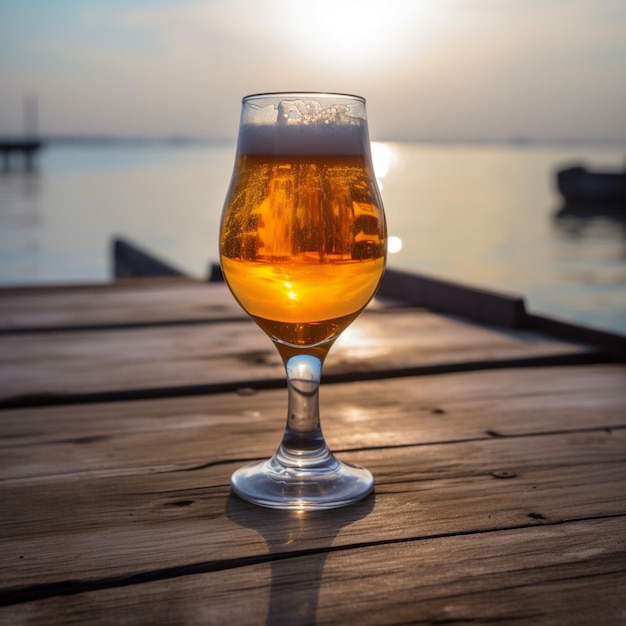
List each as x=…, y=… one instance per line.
x=486, y=215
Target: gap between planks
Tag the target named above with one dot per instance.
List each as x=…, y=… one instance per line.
x=147, y=393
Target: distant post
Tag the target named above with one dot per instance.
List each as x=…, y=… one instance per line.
x=31, y=114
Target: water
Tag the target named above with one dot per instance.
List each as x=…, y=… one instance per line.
x=479, y=214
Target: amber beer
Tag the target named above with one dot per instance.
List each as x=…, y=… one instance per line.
x=303, y=234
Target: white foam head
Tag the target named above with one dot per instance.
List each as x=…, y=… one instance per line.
x=303, y=124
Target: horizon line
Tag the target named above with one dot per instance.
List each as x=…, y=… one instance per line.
x=109, y=138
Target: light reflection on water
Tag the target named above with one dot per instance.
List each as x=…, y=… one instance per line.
x=490, y=216
x=485, y=215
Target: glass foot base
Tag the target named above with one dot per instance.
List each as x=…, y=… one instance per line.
x=271, y=484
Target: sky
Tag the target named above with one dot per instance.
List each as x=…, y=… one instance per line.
x=429, y=69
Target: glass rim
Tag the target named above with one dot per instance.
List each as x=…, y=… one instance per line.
x=291, y=94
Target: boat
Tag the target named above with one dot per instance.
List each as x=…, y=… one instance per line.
x=578, y=185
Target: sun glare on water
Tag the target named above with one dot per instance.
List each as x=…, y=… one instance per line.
x=384, y=160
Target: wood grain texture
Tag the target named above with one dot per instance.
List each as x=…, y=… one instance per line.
x=150, y=300
x=500, y=489
x=563, y=574
x=169, y=506
x=120, y=437
x=44, y=367
x=116, y=525
x=133, y=302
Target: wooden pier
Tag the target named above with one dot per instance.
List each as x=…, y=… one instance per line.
x=497, y=442
x=19, y=150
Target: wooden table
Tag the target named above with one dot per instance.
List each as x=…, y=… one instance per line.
x=499, y=456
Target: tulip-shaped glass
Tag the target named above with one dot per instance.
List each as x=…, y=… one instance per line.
x=303, y=249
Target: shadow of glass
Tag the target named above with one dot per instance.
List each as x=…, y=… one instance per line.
x=309, y=535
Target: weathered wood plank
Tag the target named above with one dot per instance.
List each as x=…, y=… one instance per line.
x=123, y=437
x=613, y=343
x=80, y=526
x=49, y=367
x=125, y=303
x=481, y=305
x=501, y=494
x=151, y=300
x=486, y=306
x=565, y=574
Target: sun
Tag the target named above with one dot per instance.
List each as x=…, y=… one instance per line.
x=355, y=33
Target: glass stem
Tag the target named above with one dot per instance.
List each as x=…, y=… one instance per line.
x=303, y=444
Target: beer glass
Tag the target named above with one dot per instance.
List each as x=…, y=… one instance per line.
x=303, y=249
